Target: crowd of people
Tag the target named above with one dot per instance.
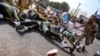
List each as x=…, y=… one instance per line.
x=55, y=24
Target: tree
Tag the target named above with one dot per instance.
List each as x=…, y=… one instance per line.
x=64, y=6
x=46, y=1
x=55, y=4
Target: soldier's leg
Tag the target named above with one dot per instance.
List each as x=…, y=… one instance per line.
x=26, y=23
x=92, y=38
x=58, y=38
x=29, y=23
x=3, y=11
x=87, y=41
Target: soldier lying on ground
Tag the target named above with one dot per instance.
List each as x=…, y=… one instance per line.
x=28, y=14
x=49, y=30
x=9, y=12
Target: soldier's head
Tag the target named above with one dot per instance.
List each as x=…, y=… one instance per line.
x=92, y=19
x=30, y=12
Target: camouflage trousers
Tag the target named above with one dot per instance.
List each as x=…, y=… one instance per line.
x=89, y=38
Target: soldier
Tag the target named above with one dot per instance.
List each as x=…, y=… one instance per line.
x=90, y=30
x=48, y=29
x=9, y=12
x=30, y=15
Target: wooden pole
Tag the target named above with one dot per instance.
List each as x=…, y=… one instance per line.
x=77, y=9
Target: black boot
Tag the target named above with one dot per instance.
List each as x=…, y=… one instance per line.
x=83, y=49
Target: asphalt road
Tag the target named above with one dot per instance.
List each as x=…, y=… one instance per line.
x=33, y=44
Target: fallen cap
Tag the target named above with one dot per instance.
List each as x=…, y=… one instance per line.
x=52, y=52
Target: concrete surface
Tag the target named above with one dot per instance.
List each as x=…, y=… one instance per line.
x=33, y=44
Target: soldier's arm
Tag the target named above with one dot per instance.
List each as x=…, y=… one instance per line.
x=96, y=27
x=15, y=14
x=80, y=26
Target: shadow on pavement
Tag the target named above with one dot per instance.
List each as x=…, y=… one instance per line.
x=54, y=42
x=2, y=22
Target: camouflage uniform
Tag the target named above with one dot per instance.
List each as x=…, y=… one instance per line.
x=90, y=32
